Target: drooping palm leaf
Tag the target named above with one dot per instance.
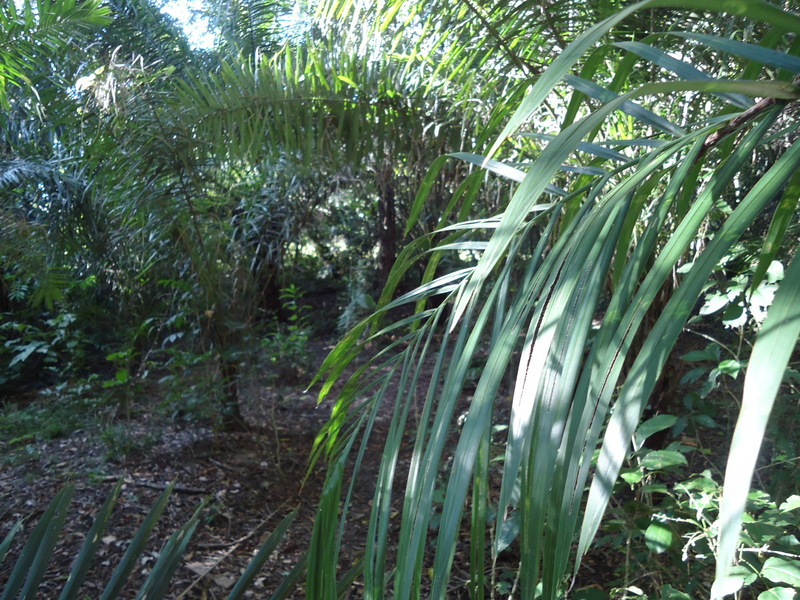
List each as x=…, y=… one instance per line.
x=765, y=372
x=566, y=378
x=32, y=28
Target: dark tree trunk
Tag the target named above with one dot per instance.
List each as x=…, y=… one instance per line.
x=231, y=414
x=224, y=340
x=387, y=215
x=5, y=299
x=267, y=279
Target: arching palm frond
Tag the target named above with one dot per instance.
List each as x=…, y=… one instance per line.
x=249, y=28
x=530, y=302
x=140, y=30
x=40, y=27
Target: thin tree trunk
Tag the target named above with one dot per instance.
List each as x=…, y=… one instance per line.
x=231, y=413
x=387, y=215
x=5, y=298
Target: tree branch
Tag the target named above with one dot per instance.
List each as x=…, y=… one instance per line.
x=737, y=122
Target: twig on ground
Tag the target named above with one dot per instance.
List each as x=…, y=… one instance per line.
x=232, y=546
x=181, y=489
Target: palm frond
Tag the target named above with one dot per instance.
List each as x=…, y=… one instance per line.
x=34, y=557
x=567, y=373
x=37, y=27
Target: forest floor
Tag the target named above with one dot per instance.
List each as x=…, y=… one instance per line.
x=251, y=478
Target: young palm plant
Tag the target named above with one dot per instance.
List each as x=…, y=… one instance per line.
x=552, y=261
x=32, y=562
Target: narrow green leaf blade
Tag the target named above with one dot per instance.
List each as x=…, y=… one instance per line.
x=45, y=549
x=681, y=68
x=759, y=54
x=93, y=539
x=7, y=541
x=495, y=166
x=648, y=117
x=656, y=348
x=784, y=214
x=36, y=544
x=158, y=581
x=771, y=354
x=757, y=10
x=136, y=547
x=261, y=557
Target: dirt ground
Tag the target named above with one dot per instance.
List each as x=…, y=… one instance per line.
x=252, y=480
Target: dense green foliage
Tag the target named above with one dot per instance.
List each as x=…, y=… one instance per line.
x=521, y=207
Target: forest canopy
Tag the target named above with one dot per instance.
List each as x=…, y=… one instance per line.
x=549, y=247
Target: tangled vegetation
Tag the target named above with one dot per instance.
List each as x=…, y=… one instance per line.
x=556, y=243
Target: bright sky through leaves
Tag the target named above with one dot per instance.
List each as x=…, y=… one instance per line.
x=186, y=12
